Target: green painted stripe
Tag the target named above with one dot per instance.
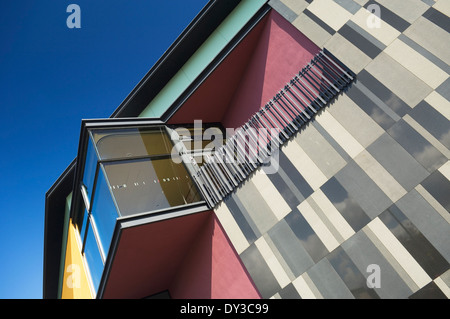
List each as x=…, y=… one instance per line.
x=64, y=244
x=215, y=43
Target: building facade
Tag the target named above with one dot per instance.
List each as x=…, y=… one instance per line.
x=278, y=149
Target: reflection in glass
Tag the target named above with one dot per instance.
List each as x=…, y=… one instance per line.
x=94, y=259
x=414, y=241
x=309, y=239
x=347, y=206
x=104, y=211
x=130, y=142
x=350, y=274
x=145, y=185
x=89, y=168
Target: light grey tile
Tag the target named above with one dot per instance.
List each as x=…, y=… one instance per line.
x=260, y=272
x=409, y=10
x=347, y=53
x=397, y=161
x=422, y=150
x=290, y=248
x=320, y=151
x=398, y=79
x=446, y=277
x=331, y=141
x=256, y=207
x=284, y=10
x=296, y=5
x=366, y=35
x=363, y=190
x=430, y=36
x=362, y=127
x=311, y=29
x=349, y=5
x=430, y=56
x=243, y=219
x=444, y=89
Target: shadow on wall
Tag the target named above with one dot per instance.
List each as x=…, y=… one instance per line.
x=211, y=268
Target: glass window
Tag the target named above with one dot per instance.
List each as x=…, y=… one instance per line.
x=132, y=142
x=150, y=184
x=104, y=211
x=90, y=166
x=84, y=222
x=93, y=257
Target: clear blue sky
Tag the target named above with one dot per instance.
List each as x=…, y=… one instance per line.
x=51, y=77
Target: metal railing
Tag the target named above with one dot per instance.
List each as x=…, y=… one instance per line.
x=275, y=123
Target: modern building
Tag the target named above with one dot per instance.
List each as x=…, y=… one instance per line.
x=278, y=149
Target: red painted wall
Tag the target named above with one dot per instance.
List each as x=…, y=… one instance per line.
x=282, y=51
x=212, y=269
x=271, y=54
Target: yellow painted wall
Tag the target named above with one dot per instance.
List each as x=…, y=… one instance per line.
x=75, y=283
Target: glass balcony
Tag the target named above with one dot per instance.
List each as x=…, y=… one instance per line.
x=128, y=171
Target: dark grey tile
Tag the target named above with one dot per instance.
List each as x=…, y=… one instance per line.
x=306, y=235
x=413, y=240
x=359, y=41
x=290, y=194
x=429, y=2
x=289, y=292
x=430, y=56
x=346, y=205
x=383, y=93
x=444, y=89
x=366, y=35
x=282, y=9
x=349, y=5
x=297, y=179
x=328, y=282
x=321, y=23
x=432, y=121
x=438, y=186
x=255, y=208
x=422, y=150
x=338, y=148
x=397, y=161
x=390, y=17
x=430, y=291
x=260, y=272
x=429, y=222
x=240, y=219
x=351, y=275
x=438, y=18
x=290, y=248
x=363, y=190
x=370, y=107
x=363, y=253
